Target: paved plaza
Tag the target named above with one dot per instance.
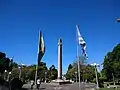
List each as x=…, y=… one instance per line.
x=64, y=87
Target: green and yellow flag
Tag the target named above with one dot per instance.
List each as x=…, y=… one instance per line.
x=41, y=47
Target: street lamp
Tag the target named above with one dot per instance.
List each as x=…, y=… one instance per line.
x=100, y=69
x=118, y=19
x=95, y=65
x=8, y=76
x=5, y=71
x=76, y=76
x=83, y=76
x=20, y=67
x=5, y=74
x=45, y=76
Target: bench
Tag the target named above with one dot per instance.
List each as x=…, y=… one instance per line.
x=112, y=86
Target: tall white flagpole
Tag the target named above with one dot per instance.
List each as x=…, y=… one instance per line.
x=36, y=74
x=78, y=58
x=37, y=62
x=83, y=47
x=78, y=66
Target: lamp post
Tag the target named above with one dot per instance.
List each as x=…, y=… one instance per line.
x=20, y=70
x=118, y=19
x=76, y=76
x=5, y=74
x=100, y=70
x=83, y=78
x=113, y=78
x=45, y=76
x=95, y=66
x=8, y=76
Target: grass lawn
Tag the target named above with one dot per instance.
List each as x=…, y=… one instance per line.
x=108, y=89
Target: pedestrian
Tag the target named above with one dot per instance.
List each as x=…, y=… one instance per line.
x=32, y=83
x=38, y=84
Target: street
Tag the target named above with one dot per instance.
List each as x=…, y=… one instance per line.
x=63, y=87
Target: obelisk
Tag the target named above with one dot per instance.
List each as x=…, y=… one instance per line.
x=60, y=59
x=59, y=80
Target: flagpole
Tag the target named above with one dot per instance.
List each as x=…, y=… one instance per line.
x=36, y=73
x=78, y=65
x=78, y=59
x=82, y=43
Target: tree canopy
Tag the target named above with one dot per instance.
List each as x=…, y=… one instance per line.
x=87, y=72
x=5, y=63
x=111, y=65
x=27, y=72
x=69, y=67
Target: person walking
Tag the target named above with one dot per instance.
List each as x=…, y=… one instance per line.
x=32, y=83
x=38, y=84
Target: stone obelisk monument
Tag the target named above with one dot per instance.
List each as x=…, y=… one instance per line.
x=59, y=80
x=60, y=59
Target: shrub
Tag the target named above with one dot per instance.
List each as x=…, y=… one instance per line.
x=101, y=82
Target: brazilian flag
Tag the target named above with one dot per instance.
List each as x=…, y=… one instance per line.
x=41, y=47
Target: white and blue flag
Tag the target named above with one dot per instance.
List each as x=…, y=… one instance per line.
x=81, y=42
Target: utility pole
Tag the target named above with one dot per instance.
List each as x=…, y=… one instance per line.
x=45, y=76
x=95, y=66
x=113, y=78
x=20, y=70
x=76, y=76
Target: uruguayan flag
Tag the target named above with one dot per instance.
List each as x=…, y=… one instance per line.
x=81, y=41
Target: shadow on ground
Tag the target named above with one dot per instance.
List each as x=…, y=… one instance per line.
x=29, y=89
x=42, y=88
x=24, y=89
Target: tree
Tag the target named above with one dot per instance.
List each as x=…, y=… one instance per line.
x=2, y=55
x=2, y=61
x=69, y=67
x=15, y=73
x=5, y=63
x=27, y=72
x=112, y=64
x=15, y=65
x=87, y=72
x=52, y=73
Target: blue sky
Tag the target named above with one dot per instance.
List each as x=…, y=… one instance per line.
x=20, y=20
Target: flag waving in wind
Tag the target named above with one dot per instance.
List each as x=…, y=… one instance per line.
x=41, y=48
x=81, y=41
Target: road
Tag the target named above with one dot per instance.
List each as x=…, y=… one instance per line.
x=64, y=87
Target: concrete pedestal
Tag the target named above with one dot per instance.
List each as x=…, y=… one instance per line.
x=60, y=82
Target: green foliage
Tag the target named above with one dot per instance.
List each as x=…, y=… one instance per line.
x=15, y=65
x=69, y=67
x=112, y=64
x=101, y=82
x=5, y=63
x=87, y=72
x=71, y=73
x=93, y=80
x=28, y=72
x=2, y=55
x=52, y=73
x=15, y=73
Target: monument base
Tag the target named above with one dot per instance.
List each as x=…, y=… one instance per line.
x=60, y=82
